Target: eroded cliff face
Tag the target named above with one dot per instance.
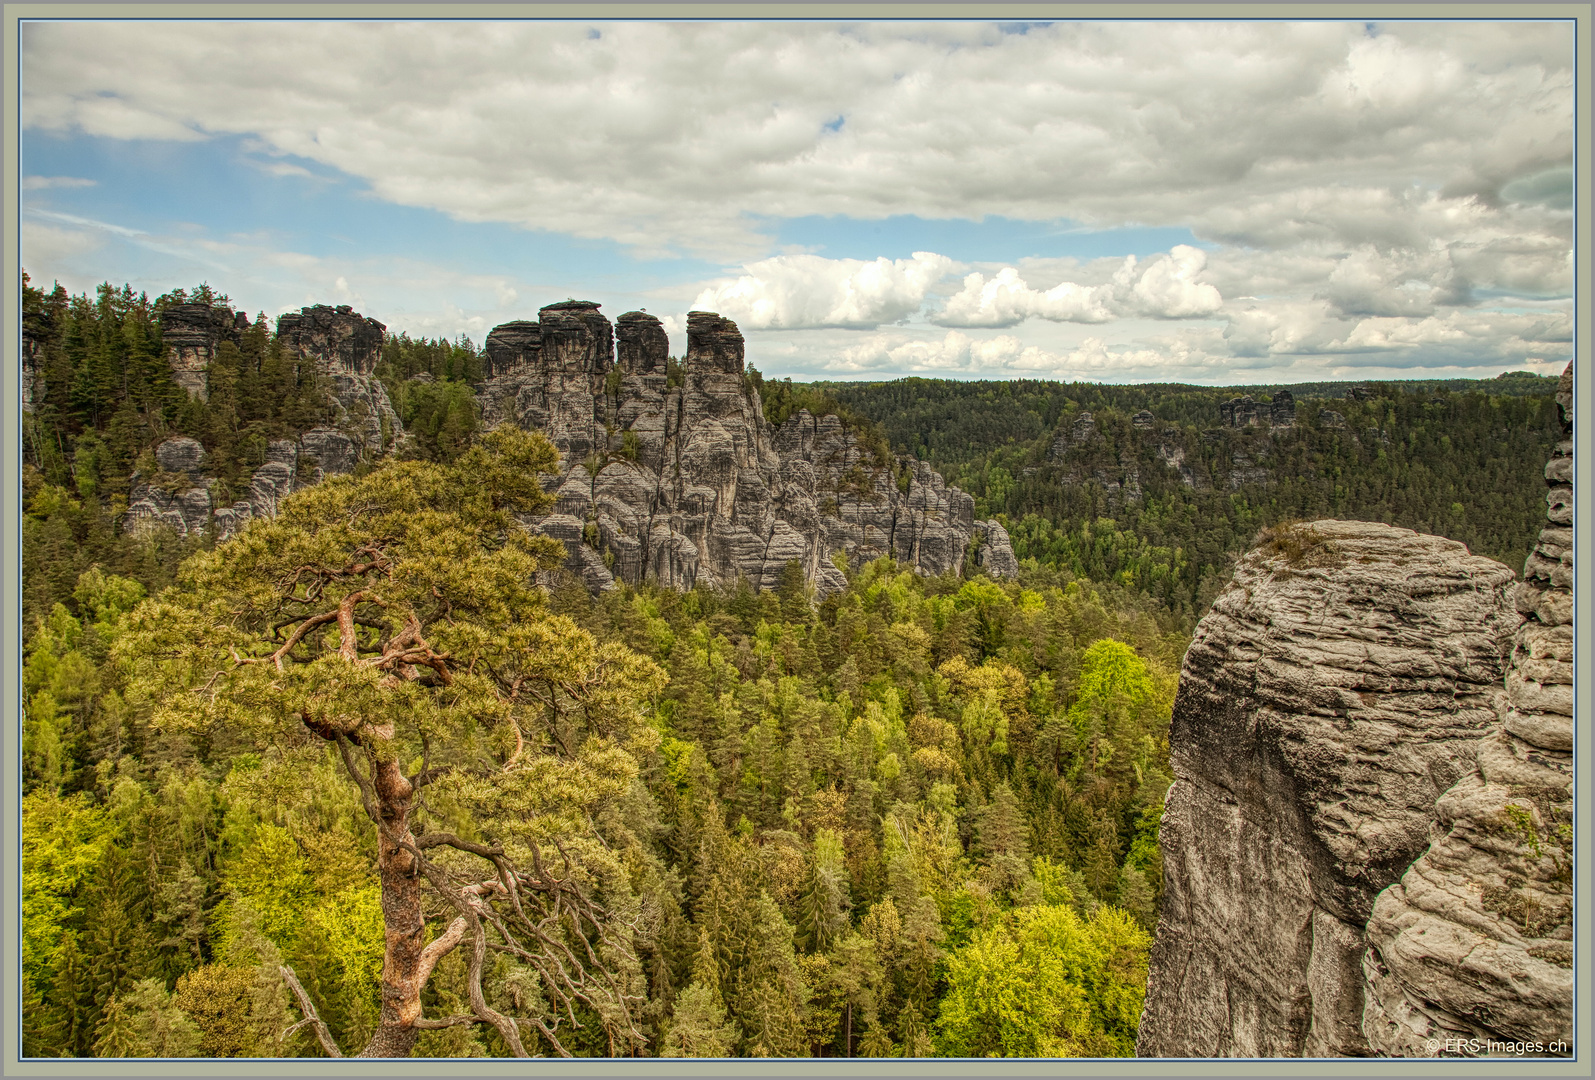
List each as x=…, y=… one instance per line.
x=1335, y=689
x=1475, y=943
x=681, y=484
x=1367, y=848
x=344, y=346
x=672, y=483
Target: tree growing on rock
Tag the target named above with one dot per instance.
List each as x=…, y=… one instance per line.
x=394, y=619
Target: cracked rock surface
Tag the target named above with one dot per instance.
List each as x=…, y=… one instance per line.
x=1334, y=691
x=1475, y=942
x=684, y=481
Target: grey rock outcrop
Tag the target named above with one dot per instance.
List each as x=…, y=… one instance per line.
x=192, y=332
x=511, y=348
x=1334, y=690
x=177, y=495
x=689, y=483
x=181, y=455
x=1475, y=942
x=1280, y=412
x=36, y=327
x=345, y=347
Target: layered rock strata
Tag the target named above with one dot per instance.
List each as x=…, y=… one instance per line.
x=345, y=347
x=1280, y=412
x=1474, y=944
x=1335, y=689
x=673, y=480
x=179, y=495
x=192, y=333
x=687, y=483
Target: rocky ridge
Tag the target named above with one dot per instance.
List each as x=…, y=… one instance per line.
x=1367, y=845
x=345, y=348
x=681, y=482
x=676, y=479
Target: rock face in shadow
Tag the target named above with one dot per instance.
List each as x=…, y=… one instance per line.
x=687, y=483
x=192, y=333
x=1336, y=688
x=345, y=347
x=1475, y=942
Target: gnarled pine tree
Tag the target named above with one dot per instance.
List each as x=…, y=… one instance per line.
x=396, y=617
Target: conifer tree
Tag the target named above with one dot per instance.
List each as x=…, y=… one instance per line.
x=395, y=617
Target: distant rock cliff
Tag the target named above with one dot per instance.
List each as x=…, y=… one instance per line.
x=1367, y=847
x=192, y=332
x=688, y=483
x=345, y=348
x=671, y=479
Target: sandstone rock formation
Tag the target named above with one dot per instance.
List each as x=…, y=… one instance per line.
x=1244, y=412
x=1335, y=689
x=1475, y=942
x=192, y=332
x=669, y=483
x=688, y=483
x=345, y=347
x=36, y=327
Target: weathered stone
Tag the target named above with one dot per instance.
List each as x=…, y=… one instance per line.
x=345, y=346
x=690, y=484
x=642, y=346
x=334, y=452
x=1474, y=943
x=191, y=333
x=180, y=454
x=1280, y=412
x=36, y=328
x=1334, y=690
x=1329, y=418
x=995, y=553
x=511, y=348
x=186, y=511
x=338, y=339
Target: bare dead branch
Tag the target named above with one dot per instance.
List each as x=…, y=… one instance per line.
x=424, y=1024
x=367, y=795
x=308, y=1008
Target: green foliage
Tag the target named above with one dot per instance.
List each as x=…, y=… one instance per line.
x=146, y=1022
x=1047, y=983
x=1458, y=458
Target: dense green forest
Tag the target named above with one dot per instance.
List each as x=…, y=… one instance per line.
x=1456, y=458
x=917, y=817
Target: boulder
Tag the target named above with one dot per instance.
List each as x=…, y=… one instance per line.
x=180, y=454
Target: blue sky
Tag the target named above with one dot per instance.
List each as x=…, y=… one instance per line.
x=1211, y=203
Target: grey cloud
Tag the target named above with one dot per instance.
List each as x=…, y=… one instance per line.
x=665, y=135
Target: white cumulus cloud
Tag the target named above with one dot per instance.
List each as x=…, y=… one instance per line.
x=1162, y=287
x=790, y=292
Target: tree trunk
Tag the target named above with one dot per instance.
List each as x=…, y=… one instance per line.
x=403, y=931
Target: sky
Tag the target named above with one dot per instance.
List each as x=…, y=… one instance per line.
x=1204, y=202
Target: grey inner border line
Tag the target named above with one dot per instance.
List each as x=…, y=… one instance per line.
x=732, y=10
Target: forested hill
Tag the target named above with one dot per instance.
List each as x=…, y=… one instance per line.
x=1152, y=486
x=917, y=816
